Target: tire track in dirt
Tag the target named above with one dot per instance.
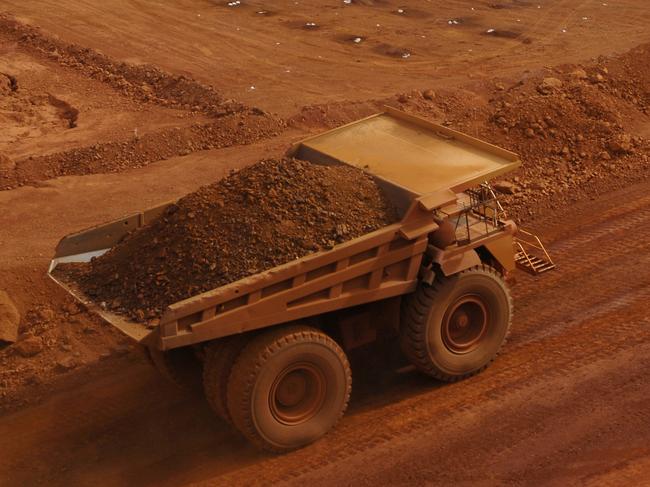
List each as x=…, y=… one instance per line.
x=521, y=447
x=589, y=422
x=74, y=434
x=415, y=418
x=71, y=421
x=412, y=417
x=194, y=36
x=603, y=267
x=576, y=253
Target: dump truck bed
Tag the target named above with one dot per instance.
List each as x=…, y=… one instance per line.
x=420, y=165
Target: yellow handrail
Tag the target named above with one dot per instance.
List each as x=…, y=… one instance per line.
x=539, y=245
x=523, y=251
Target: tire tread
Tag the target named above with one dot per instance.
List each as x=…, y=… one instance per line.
x=414, y=324
x=220, y=357
x=252, y=359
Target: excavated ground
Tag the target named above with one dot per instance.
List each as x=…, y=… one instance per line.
x=177, y=115
x=111, y=107
x=260, y=217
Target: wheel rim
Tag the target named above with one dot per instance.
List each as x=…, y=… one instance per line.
x=298, y=393
x=465, y=324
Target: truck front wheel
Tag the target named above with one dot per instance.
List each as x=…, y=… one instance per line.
x=454, y=328
x=288, y=388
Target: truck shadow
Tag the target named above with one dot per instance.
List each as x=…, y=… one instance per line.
x=128, y=425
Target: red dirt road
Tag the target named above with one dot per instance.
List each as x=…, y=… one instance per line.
x=563, y=405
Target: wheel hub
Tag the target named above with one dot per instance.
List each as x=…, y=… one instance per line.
x=298, y=393
x=292, y=389
x=465, y=324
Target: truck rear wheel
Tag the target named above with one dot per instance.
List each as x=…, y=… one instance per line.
x=288, y=388
x=455, y=328
x=220, y=357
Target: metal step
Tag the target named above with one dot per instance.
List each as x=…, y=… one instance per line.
x=533, y=264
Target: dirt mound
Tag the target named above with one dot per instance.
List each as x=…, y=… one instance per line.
x=54, y=337
x=629, y=76
x=138, y=151
x=563, y=123
x=263, y=216
x=573, y=130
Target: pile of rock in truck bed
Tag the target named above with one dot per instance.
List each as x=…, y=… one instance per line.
x=265, y=215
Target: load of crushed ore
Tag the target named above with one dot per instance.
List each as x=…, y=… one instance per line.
x=260, y=217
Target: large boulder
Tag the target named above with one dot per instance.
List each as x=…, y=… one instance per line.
x=9, y=319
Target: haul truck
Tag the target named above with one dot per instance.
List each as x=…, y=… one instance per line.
x=272, y=346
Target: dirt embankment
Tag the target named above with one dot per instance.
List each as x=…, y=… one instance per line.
x=263, y=216
x=24, y=114
x=141, y=150
x=578, y=129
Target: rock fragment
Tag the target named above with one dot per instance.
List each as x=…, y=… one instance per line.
x=549, y=85
x=66, y=363
x=429, y=95
x=579, y=74
x=9, y=319
x=621, y=144
x=28, y=347
x=505, y=187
